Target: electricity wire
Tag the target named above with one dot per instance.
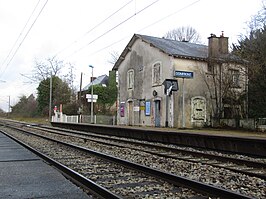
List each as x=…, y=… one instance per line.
x=96, y=26
x=119, y=24
x=24, y=37
x=20, y=34
x=176, y=12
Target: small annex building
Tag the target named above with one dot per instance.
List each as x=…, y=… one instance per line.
x=146, y=62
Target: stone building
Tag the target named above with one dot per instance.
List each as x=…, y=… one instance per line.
x=147, y=62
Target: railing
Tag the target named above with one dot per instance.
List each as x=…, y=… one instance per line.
x=98, y=119
x=261, y=124
x=251, y=123
x=59, y=117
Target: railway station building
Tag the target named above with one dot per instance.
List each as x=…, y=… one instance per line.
x=211, y=83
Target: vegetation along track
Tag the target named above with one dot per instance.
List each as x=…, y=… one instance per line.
x=249, y=186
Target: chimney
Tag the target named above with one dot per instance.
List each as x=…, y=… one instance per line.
x=213, y=47
x=93, y=78
x=217, y=45
x=223, y=44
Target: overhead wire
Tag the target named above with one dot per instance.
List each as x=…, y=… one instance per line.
x=93, y=28
x=24, y=37
x=20, y=34
x=122, y=22
x=119, y=24
x=176, y=12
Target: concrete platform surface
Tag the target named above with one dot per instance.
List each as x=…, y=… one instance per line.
x=24, y=175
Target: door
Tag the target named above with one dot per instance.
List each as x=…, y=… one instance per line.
x=198, y=110
x=130, y=113
x=157, y=113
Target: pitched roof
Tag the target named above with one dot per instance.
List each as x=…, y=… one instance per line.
x=168, y=46
x=103, y=79
x=178, y=48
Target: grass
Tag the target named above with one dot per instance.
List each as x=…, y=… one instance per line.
x=38, y=120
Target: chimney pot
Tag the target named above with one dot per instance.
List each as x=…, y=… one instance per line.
x=217, y=45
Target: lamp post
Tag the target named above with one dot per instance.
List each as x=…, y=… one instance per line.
x=50, y=97
x=91, y=93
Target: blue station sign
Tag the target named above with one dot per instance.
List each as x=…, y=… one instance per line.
x=183, y=74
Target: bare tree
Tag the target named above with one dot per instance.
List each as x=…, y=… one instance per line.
x=44, y=69
x=258, y=21
x=226, y=84
x=114, y=57
x=70, y=76
x=184, y=33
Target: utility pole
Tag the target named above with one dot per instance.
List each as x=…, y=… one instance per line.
x=168, y=93
x=183, y=104
x=80, y=88
x=170, y=85
x=91, y=93
x=50, y=100
x=9, y=103
x=79, y=100
x=8, y=112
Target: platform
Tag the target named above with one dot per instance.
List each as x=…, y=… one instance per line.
x=222, y=140
x=25, y=175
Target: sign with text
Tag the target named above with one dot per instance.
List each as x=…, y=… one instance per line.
x=148, y=108
x=136, y=108
x=88, y=96
x=122, y=109
x=183, y=74
x=170, y=85
x=93, y=100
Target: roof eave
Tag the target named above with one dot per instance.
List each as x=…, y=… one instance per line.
x=227, y=60
x=191, y=57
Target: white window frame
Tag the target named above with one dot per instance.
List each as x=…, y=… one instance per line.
x=157, y=78
x=130, y=79
x=235, y=75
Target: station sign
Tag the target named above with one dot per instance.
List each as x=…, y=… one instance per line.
x=136, y=108
x=93, y=100
x=171, y=85
x=88, y=96
x=183, y=74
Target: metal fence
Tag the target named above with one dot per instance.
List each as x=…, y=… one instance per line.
x=261, y=124
x=65, y=118
x=98, y=119
x=250, y=123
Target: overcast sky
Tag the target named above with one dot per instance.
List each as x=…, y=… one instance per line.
x=78, y=31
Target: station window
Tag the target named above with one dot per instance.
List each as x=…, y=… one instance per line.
x=130, y=79
x=157, y=74
x=234, y=78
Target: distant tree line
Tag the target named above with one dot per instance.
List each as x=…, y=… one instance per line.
x=63, y=92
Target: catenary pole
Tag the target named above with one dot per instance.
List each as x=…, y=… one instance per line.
x=91, y=93
x=183, y=104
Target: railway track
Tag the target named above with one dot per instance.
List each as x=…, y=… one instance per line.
x=246, y=166
x=143, y=181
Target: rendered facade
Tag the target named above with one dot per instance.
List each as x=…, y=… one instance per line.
x=147, y=62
